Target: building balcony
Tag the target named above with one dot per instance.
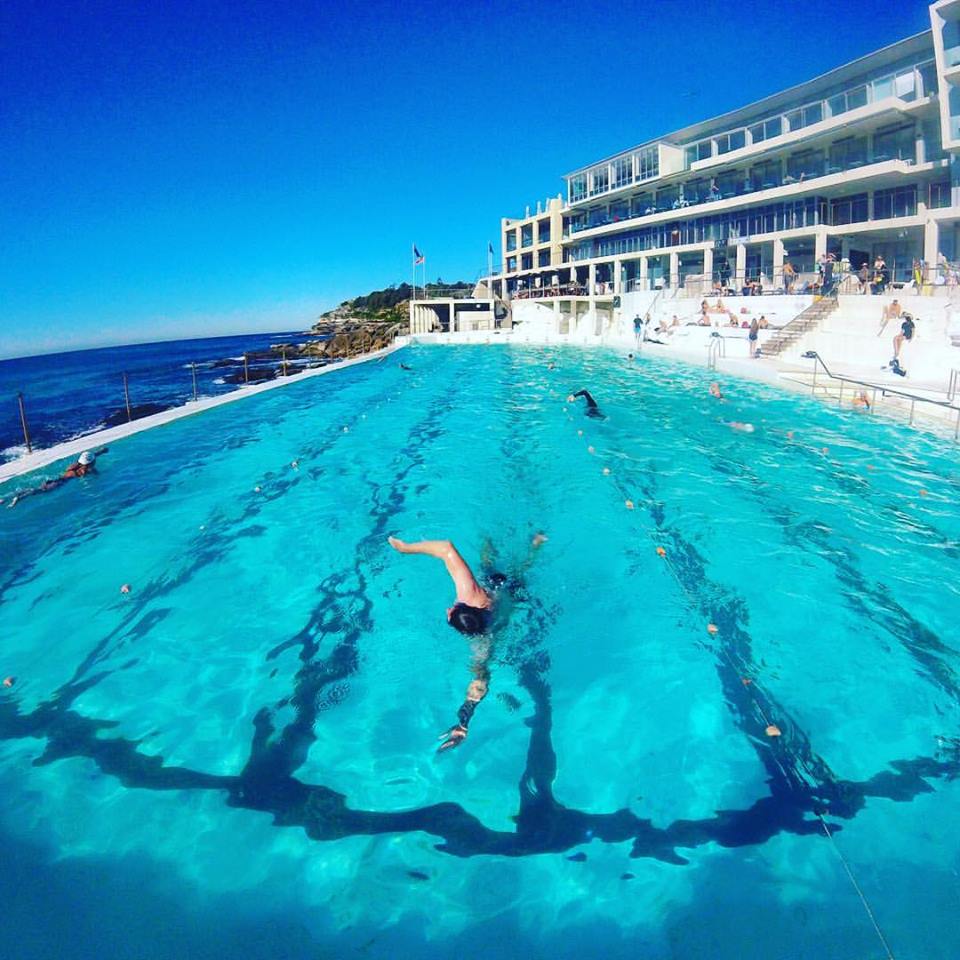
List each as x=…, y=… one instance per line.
x=787, y=187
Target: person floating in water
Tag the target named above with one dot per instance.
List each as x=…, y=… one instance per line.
x=592, y=409
x=742, y=427
x=403, y=366
x=84, y=466
x=471, y=614
x=715, y=391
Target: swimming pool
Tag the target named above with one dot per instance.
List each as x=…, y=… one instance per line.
x=237, y=758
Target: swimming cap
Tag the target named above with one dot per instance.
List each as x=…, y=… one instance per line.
x=86, y=458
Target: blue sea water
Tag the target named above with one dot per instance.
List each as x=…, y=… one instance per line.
x=237, y=757
x=70, y=394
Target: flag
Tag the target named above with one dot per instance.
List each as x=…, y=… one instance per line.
x=490, y=249
x=417, y=256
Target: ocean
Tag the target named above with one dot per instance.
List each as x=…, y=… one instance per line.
x=68, y=395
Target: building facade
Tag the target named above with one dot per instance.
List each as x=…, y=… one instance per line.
x=859, y=163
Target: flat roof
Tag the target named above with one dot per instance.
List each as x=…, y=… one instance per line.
x=878, y=59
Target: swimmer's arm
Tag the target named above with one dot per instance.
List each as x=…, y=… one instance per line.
x=476, y=691
x=444, y=550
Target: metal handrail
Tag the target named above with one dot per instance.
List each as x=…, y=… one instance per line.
x=954, y=384
x=717, y=347
x=884, y=390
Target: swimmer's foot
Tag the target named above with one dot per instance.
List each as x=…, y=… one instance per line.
x=453, y=737
x=397, y=544
x=538, y=538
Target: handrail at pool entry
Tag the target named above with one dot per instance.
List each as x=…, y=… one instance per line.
x=717, y=347
x=885, y=390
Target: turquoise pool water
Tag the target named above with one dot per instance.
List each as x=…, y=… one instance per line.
x=237, y=758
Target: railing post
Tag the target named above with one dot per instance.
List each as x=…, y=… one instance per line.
x=813, y=386
x=913, y=403
x=193, y=370
x=126, y=397
x=840, y=395
x=246, y=370
x=284, y=361
x=23, y=423
x=956, y=429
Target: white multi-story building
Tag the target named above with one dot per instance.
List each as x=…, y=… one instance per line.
x=860, y=162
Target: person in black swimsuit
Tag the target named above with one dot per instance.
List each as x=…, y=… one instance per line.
x=592, y=409
x=471, y=614
x=905, y=334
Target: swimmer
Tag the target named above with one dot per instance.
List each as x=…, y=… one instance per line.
x=403, y=366
x=471, y=614
x=84, y=466
x=631, y=357
x=715, y=390
x=861, y=401
x=743, y=427
x=592, y=409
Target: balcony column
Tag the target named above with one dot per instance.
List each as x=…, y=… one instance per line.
x=819, y=244
x=920, y=147
x=931, y=242
x=708, y=266
x=592, y=281
x=741, y=264
x=617, y=277
x=778, y=257
x=643, y=283
x=674, y=270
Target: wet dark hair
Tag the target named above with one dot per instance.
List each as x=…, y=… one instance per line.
x=467, y=619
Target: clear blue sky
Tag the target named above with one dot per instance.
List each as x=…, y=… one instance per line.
x=194, y=168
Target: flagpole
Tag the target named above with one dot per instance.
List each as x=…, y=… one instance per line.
x=413, y=258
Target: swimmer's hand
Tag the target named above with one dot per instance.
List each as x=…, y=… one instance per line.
x=453, y=737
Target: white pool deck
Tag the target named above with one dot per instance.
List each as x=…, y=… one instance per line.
x=789, y=375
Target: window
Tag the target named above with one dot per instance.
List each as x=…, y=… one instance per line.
x=848, y=209
x=699, y=151
x=526, y=261
x=526, y=235
x=940, y=194
x=511, y=264
x=622, y=171
x=730, y=183
x=619, y=210
x=895, y=143
x=642, y=204
x=844, y=154
x=905, y=85
x=857, y=97
x=598, y=217
x=804, y=165
x=763, y=176
x=769, y=128
x=543, y=258
x=898, y=202
x=667, y=197
x=731, y=141
x=648, y=163
x=813, y=113
x=512, y=240
x=928, y=79
x=543, y=231
x=578, y=187
x=599, y=180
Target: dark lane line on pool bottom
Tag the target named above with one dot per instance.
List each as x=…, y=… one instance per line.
x=923, y=645
x=543, y=824
x=216, y=540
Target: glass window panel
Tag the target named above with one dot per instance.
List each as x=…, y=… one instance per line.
x=857, y=97
x=543, y=258
x=837, y=105
x=578, y=187
x=526, y=235
x=904, y=86
x=812, y=114
x=527, y=261
x=882, y=88
x=512, y=240
x=795, y=119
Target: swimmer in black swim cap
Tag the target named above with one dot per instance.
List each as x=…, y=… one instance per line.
x=592, y=409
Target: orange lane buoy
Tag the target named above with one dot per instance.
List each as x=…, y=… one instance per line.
x=825, y=450
x=629, y=504
x=125, y=588
x=9, y=681
x=712, y=628
x=870, y=466
x=661, y=552
x=746, y=681
x=772, y=731
x=789, y=434
x=922, y=492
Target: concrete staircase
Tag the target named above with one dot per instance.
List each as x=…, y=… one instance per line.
x=790, y=335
